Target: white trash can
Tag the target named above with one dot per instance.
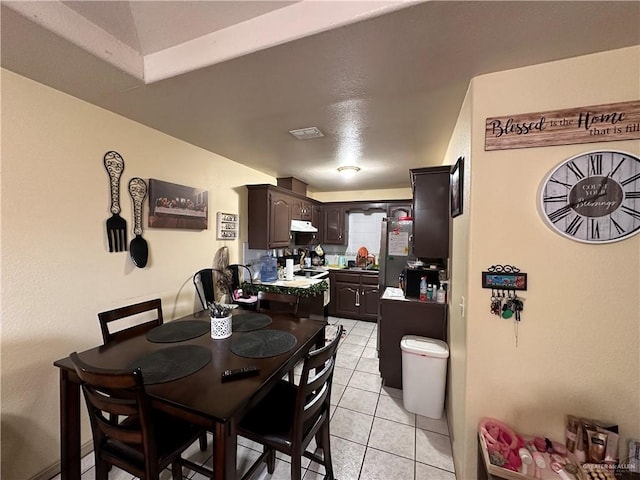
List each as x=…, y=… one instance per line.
x=424, y=375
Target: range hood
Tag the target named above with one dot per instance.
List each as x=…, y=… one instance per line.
x=302, y=226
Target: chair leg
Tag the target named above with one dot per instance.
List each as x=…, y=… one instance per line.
x=292, y=378
x=203, y=442
x=326, y=450
x=271, y=461
x=102, y=469
x=176, y=470
x=296, y=466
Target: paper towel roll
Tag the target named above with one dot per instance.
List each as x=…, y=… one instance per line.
x=289, y=269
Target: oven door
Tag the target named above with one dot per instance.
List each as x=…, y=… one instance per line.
x=327, y=293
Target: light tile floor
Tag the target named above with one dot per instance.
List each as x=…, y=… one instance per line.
x=372, y=436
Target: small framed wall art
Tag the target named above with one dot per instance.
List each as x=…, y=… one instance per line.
x=456, y=179
x=227, y=226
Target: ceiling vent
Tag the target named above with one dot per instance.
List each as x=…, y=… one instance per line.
x=306, y=133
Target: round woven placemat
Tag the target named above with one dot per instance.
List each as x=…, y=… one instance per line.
x=263, y=343
x=248, y=322
x=172, y=363
x=178, y=331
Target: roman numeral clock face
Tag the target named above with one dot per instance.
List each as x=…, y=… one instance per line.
x=593, y=197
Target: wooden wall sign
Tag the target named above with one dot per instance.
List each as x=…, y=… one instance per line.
x=599, y=123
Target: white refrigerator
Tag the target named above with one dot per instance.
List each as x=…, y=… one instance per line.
x=395, y=249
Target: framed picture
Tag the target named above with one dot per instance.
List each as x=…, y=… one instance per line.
x=177, y=206
x=456, y=179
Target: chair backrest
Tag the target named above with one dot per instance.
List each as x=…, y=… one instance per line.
x=203, y=283
x=119, y=410
x=240, y=272
x=152, y=320
x=314, y=391
x=207, y=279
x=280, y=302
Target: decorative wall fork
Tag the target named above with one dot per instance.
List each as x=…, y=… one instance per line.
x=116, y=225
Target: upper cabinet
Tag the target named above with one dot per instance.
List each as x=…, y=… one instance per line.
x=398, y=210
x=301, y=210
x=335, y=224
x=431, y=212
x=269, y=217
x=270, y=211
x=317, y=220
x=280, y=210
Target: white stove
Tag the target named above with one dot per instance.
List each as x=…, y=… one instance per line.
x=317, y=273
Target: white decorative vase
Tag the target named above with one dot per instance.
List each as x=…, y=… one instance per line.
x=221, y=327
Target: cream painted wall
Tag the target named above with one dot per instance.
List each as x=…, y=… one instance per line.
x=357, y=195
x=578, y=346
x=57, y=272
x=459, y=146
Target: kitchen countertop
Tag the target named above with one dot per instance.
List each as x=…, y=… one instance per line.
x=393, y=293
x=299, y=282
x=353, y=269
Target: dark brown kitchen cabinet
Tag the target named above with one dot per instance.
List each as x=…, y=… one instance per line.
x=431, y=212
x=301, y=209
x=335, y=225
x=316, y=220
x=405, y=317
x=354, y=295
x=269, y=217
x=398, y=210
x=369, y=299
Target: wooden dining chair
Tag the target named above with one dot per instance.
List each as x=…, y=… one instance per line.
x=291, y=415
x=154, y=319
x=278, y=302
x=154, y=308
x=240, y=272
x=281, y=303
x=127, y=432
x=227, y=280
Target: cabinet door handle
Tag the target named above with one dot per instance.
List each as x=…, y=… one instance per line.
x=357, y=298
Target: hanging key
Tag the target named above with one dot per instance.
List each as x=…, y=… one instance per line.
x=517, y=306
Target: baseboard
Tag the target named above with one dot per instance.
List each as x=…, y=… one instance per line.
x=53, y=470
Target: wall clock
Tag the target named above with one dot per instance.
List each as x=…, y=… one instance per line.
x=593, y=197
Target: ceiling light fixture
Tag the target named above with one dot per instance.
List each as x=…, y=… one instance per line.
x=348, y=171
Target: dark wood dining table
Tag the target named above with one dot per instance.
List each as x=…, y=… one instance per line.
x=200, y=397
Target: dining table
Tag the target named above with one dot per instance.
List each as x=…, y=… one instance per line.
x=189, y=385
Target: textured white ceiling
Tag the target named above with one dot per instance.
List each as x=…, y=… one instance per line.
x=384, y=81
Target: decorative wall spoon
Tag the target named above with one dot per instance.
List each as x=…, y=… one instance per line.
x=138, y=247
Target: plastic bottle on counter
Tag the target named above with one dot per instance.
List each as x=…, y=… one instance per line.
x=440, y=295
x=268, y=268
x=423, y=289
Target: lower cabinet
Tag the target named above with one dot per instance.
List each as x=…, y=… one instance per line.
x=354, y=295
x=405, y=317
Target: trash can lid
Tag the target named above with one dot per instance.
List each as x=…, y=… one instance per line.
x=424, y=346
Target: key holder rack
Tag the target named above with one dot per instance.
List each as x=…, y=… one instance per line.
x=504, y=277
x=504, y=281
